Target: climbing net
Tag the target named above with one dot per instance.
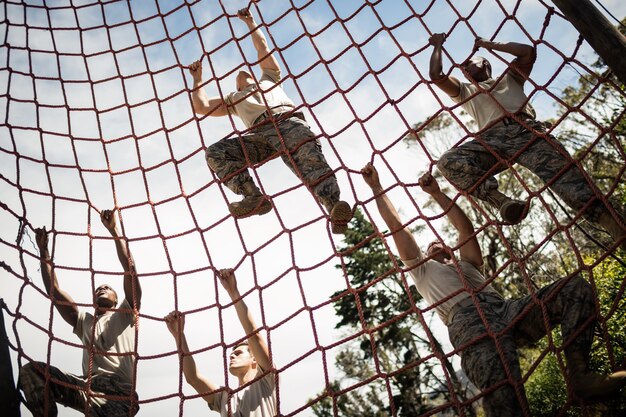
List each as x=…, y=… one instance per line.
x=95, y=113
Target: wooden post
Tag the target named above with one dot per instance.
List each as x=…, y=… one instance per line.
x=9, y=400
x=607, y=41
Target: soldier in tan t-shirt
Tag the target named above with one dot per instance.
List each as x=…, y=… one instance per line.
x=275, y=129
x=506, y=123
x=106, y=387
x=484, y=328
x=250, y=363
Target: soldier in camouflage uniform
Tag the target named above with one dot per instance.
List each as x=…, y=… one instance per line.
x=107, y=388
x=488, y=344
x=275, y=129
x=508, y=133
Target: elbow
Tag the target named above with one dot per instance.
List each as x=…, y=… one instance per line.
x=528, y=55
x=192, y=379
x=200, y=108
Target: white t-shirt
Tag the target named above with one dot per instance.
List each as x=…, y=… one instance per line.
x=436, y=281
x=256, y=400
x=254, y=100
x=483, y=104
x=114, y=347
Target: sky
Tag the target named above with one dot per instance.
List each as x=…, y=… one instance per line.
x=95, y=113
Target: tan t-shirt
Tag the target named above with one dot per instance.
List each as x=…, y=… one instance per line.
x=256, y=400
x=436, y=281
x=481, y=102
x=114, y=347
x=254, y=100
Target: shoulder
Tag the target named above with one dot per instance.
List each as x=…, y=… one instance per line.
x=418, y=267
x=220, y=401
x=468, y=267
x=271, y=75
x=83, y=320
x=267, y=382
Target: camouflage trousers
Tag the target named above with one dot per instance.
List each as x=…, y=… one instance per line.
x=472, y=165
x=71, y=391
x=298, y=147
x=488, y=349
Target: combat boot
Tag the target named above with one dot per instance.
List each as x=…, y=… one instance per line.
x=511, y=211
x=588, y=386
x=613, y=228
x=253, y=203
x=340, y=215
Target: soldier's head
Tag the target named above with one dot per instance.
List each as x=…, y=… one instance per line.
x=244, y=79
x=439, y=252
x=241, y=360
x=105, y=296
x=476, y=69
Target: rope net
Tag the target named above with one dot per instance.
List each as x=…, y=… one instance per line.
x=95, y=113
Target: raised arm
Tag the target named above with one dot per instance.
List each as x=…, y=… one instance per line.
x=470, y=249
x=266, y=58
x=132, y=288
x=64, y=304
x=402, y=236
x=176, y=325
x=448, y=84
x=524, y=55
x=256, y=342
x=202, y=104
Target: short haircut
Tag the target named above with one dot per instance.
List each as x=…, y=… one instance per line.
x=117, y=297
x=244, y=343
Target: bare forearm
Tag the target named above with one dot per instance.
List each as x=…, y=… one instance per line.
x=200, y=100
x=47, y=274
x=258, y=38
x=123, y=254
x=387, y=211
x=520, y=50
x=132, y=288
x=436, y=65
x=243, y=314
x=189, y=364
x=455, y=215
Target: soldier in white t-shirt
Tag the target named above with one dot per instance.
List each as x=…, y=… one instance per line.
x=250, y=363
x=106, y=388
x=508, y=133
x=275, y=129
x=486, y=329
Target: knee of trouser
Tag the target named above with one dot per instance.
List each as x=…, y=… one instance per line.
x=212, y=155
x=445, y=161
x=29, y=372
x=581, y=285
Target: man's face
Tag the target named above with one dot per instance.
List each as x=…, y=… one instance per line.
x=437, y=251
x=240, y=360
x=244, y=79
x=476, y=69
x=105, y=296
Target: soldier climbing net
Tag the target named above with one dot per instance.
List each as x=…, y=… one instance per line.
x=95, y=113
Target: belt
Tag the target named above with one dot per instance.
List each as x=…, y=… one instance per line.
x=509, y=120
x=278, y=113
x=467, y=302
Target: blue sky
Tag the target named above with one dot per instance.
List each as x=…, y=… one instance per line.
x=95, y=109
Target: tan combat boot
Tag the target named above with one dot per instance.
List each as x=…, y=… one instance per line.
x=253, y=203
x=340, y=216
x=588, y=386
x=613, y=228
x=511, y=211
